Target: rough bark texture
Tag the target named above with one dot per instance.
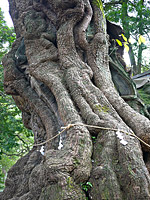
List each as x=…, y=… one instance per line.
x=58, y=74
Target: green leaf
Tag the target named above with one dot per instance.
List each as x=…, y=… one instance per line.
x=119, y=42
x=141, y=40
x=90, y=184
x=125, y=39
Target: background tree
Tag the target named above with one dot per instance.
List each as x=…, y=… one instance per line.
x=58, y=74
x=15, y=140
x=133, y=16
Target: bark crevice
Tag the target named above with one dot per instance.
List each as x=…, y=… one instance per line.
x=55, y=77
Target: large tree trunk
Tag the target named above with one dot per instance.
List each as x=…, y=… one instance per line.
x=58, y=73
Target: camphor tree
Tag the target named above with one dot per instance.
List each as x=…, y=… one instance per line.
x=58, y=73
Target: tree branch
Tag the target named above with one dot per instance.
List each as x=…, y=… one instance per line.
x=14, y=154
x=23, y=141
x=113, y=3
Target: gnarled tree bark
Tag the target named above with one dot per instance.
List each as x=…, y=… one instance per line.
x=58, y=74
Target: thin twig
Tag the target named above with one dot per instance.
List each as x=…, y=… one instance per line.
x=23, y=141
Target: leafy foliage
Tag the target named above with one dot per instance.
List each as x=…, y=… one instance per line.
x=133, y=15
x=15, y=140
x=86, y=186
x=127, y=41
x=7, y=36
x=144, y=96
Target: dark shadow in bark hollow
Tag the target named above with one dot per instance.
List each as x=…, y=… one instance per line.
x=65, y=79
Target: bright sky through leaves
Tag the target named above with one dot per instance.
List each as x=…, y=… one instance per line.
x=5, y=8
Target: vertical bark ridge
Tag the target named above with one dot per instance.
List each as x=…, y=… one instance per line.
x=60, y=56
x=81, y=28
x=99, y=63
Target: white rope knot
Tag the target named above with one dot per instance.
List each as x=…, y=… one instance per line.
x=70, y=126
x=67, y=127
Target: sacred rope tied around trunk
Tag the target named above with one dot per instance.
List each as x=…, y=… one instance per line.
x=118, y=133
